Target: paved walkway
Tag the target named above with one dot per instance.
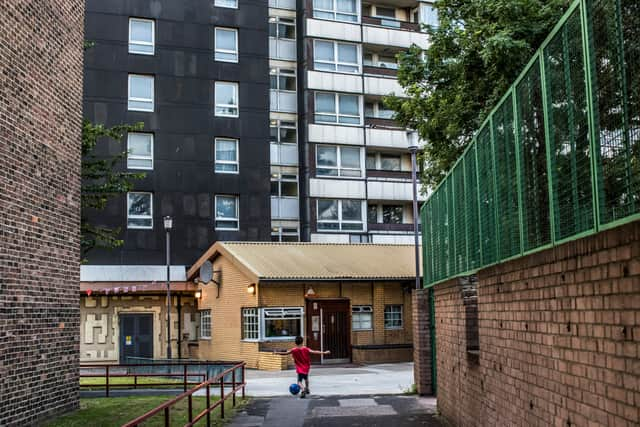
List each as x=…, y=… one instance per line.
x=391, y=378
x=338, y=411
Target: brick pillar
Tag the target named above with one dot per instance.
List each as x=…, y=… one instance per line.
x=421, y=342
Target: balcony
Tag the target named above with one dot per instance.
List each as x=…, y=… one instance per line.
x=321, y=28
x=390, y=23
x=334, y=82
x=390, y=227
x=334, y=134
x=379, y=122
x=332, y=188
x=284, y=154
x=382, y=86
x=285, y=208
x=380, y=71
x=389, y=190
x=379, y=173
x=396, y=37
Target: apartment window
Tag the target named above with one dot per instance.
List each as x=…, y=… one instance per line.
x=283, y=4
x=141, y=36
x=284, y=185
x=371, y=161
x=381, y=61
x=377, y=110
x=140, y=210
x=338, y=161
x=226, y=3
x=226, y=44
x=385, y=12
x=226, y=155
x=334, y=56
x=140, y=93
x=283, y=132
x=285, y=234
x=361, y=317
x=336, y=10
x=226, y=96
x=390, y=162
x=282, y=28
x=226, y=213
x=250, y=324
x=372, y=214
x=205, y=324
x=140, y=151
x=283, y=90
x=337, y=108
x=339, y=215
x=282, y=323
x=392, y=214
x=393, y=317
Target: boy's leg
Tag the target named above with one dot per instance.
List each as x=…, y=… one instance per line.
x=306, y=381
x=303, y=390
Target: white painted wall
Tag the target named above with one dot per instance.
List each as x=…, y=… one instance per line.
x=337, y=188
x=382, y=86
x=393, y=37
x=336, y=134
x=329, y=238
x=386, y=190
x=333, y=30
x=393, y=239
x=284, y=208
x=334, y=82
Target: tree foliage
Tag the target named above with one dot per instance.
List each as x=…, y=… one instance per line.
x=102, y=181
x=475, y=54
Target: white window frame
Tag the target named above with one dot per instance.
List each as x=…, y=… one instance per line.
x=340, y=221
x=217, y=4
x=339, y=166
x=250, y=317
x=285, y=72
x=285, y=177
x=278, y=124
x=150, y=216
x=359, y=310
x=236, y=87
x=291, y=22
x=130, y=98
x=298, y=311
x=391, y=306
x=279, y=232
x=235, y=162
x=134, y=43
x=235, y=52
x=139, y=157
x=337, y=114
x=205, y=314
x=334, y=11
x=336, y=63
x=217, y=218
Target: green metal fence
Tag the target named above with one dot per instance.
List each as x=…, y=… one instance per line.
x=557, y=159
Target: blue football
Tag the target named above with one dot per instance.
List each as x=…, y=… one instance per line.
x=294, y=389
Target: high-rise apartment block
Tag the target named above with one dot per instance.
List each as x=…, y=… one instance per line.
x=261, y=121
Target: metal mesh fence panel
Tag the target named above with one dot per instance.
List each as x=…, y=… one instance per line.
x=568, y=137
x=506, y=180
x=560, y=155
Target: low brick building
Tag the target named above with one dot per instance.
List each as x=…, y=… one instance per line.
x=354, y=300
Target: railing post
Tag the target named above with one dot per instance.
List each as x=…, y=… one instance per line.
x=233, y=384
x=244, y=380
x=107, y=381
x=208, y=404
x=222, y=396
x=166, y=417
x=185, y=376
x=135, y=380
x=190, y=409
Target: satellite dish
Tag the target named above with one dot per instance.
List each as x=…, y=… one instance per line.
x=206, y=271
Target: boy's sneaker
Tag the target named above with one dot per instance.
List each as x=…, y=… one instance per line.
x=303, y=394
x=306, y=390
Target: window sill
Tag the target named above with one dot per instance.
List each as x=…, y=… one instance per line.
x=204, y=339
x=362, y=330
x=397, y=328
x=254, y=341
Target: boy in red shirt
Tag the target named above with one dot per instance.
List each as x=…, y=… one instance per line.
x=301, y=357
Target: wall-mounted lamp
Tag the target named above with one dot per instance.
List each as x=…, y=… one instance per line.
x=198, y=294
x=251, y=289
x=310, y=292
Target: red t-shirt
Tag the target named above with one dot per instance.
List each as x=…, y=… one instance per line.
x=301, y=356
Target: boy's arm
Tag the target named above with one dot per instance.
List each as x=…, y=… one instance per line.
x=319, y=352
x=282, y=353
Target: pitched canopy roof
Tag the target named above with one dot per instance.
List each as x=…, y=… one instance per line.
x=314, y=261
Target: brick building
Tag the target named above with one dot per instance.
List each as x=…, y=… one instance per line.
x=40, y=125
x=349, y=299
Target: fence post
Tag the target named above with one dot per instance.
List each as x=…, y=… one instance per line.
x=107, y=381
x=185, y=376
x=166, y=417
x=233, y=384
x=190, y=409
x=244, y=381
x=208, y=404
x=222, y=396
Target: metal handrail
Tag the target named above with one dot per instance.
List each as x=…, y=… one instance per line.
x=218, y=379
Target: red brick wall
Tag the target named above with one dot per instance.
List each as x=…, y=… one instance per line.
x=40, y=125
x=559, y=335
x=421, y=342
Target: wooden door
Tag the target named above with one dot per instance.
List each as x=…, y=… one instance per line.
x=329, y=328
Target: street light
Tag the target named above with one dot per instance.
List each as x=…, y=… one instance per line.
x=412, y=139
x=168, y=224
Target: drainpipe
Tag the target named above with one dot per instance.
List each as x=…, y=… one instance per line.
x=179, y=327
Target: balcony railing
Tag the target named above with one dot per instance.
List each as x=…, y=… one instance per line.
x=391, y=23
x=381, y=123
x=379, y=71
x=378, y=173
x=389, y=227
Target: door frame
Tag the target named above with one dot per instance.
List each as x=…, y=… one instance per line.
x=121, y=335
x=308, y=325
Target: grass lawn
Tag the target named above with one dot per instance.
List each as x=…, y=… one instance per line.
x=115, y=411
x=142, y=381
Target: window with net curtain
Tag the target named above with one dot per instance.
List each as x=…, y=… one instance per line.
x=226, y=48
x=226, y=98
x=332, y=56
x=336, y=10
x=226, y=155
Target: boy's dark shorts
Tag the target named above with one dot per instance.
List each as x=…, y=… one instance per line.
x=303, y=377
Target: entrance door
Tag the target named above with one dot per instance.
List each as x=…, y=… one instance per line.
x=136, y=336
x=329, y=328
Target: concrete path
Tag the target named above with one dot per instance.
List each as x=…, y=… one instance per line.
x=392, y=378
x=339, y=411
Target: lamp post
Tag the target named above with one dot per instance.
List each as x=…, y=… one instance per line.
x=168, y=224
x=412, y=139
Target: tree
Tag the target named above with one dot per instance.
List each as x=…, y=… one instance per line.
x=476, y=53
x=101, y=181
